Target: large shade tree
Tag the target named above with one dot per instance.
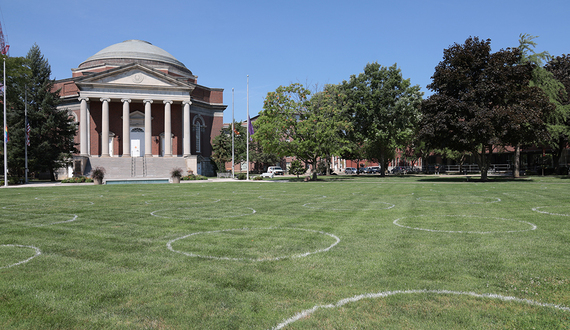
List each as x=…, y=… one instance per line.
x=293, y=123
x=482, y=100
x=383, y=108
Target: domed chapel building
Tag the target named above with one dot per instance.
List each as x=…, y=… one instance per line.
x=140, y=113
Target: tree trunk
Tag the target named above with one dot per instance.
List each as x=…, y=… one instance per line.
x=516, y=170
x=482, y=159
x=314, y=168
x=557, y=153
x=382, y=166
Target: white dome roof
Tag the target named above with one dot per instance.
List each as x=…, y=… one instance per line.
x=135, y=50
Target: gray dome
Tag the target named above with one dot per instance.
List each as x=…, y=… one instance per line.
x=133, y=51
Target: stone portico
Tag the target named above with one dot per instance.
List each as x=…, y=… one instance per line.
x=134, y=100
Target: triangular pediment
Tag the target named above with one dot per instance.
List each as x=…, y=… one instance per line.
x=138, y=76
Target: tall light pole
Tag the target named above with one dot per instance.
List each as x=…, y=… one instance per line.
x=233, y=131
x=5, y=131
x=248, y=123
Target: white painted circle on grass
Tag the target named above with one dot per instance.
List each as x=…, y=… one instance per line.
x=38, y=252
x=385, y=294
x=58, y=222
x=386, y=206
x=169, y=244
x=537, y=209
x=532, y=226
x=169, y=201
x=74, y=217
x=288, y=197
x=493, y=200
x=189, y=209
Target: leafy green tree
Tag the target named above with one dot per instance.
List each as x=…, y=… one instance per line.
x=482, y=100
x=293, y=124
x=52, y=130
x=261, y=159
x=297, y=168
x=559, y=121
x=52, y=142
x=556, y=121
x=383, y=110
x=222, y=146
x=17, y=74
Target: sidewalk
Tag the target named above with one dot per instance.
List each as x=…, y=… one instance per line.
x=59, y=184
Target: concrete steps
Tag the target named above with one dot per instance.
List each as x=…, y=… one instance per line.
x=136, y=167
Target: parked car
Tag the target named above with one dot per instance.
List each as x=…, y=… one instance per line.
x=373, y=169
x=276, y=170
x=350, y=170
x=398, y=169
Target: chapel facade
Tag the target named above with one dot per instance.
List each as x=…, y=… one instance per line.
x=140, y=113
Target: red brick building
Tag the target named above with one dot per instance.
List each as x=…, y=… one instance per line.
x=135, y=104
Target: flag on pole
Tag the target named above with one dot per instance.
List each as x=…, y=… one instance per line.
x=250, y=128
x=6, y=138
x=28, y=129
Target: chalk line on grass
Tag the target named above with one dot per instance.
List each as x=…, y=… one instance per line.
x=150, y=202
x=24, y=207
x=75, y=216
x=533, y=226
x=280, y=198
x=153, y=213
x=496, y=200
x=38, y=252
x=58, y=222
x=537, y=209
x=169, y=244
x=340, y=303
x=389, y=206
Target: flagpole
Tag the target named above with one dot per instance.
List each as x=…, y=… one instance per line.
x=5, y=131
x=247, y=139
x=233, y=128
x=26, y=134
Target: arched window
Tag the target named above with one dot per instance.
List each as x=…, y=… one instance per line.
x=199, y=128
x=198, y=142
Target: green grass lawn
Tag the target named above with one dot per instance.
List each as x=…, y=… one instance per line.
x=345, y=253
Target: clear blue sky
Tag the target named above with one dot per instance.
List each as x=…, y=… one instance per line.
x=280, y=42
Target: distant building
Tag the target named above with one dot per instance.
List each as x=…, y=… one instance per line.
x=140, y=112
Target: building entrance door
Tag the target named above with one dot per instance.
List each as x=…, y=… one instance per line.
x=137, y=142
x=135, y=148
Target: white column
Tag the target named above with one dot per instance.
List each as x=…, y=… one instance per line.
x=105, y=127
x=167, y=129
x=84, y=151
x=126, y=128
x=147, y=128
x=186, y=128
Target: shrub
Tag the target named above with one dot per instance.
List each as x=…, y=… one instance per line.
x=176, y=172
x=241, y=176
x=98, y=173
x=297, y=168
x=194, y=177
x=77, y=179
x=258, y=178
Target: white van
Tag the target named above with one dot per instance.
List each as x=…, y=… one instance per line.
x=275, y=170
